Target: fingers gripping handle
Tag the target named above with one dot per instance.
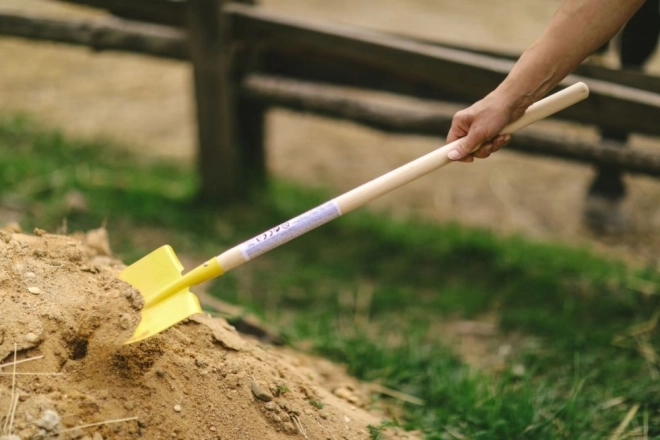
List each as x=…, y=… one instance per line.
x=546, y=107
x=383, y=184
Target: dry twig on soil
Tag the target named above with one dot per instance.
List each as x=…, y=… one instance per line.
x=89, y=425
x=13, y=402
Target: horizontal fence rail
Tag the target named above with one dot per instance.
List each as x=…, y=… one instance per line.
x=98, y=34
x=431, y=119
x=172, y=12
x=463, y=73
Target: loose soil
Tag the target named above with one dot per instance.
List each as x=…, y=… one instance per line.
x=61, y=300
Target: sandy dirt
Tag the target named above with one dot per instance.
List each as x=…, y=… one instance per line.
x=63, y=303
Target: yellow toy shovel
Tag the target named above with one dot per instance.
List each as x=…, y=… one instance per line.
x=158, y=275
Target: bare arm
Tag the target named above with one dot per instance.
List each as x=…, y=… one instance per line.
x=576, y=30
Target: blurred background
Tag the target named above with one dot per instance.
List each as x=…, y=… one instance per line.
x=147, y=104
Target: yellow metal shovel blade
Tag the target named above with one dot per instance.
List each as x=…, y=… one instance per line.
x=167, y=300
x=165, y=314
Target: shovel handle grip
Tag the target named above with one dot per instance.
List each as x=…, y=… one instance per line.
x=381, y=185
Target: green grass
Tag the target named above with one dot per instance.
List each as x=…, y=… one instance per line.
x=560, y=308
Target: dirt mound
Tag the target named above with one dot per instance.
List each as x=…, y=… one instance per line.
x=65, y=315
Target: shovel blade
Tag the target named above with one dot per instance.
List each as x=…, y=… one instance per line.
x=164, y=314
x=151, y=275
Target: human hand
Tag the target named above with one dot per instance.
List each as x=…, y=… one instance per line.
x=480, y=125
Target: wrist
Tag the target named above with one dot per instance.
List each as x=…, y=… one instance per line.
x=530, y=80
x=513, y=97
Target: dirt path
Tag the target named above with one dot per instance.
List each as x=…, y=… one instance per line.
x=145, y=103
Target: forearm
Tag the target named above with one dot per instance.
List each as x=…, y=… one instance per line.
x=577, y=29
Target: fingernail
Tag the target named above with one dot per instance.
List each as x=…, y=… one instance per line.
x=454, y=155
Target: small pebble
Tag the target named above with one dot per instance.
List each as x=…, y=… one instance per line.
x=49, y=420
x=125, y=321
x=290, y=408
x=259, y=393
x=31, y=337
x=34, y=290
x=30, y=275
x=212, y=429
x=177, y=408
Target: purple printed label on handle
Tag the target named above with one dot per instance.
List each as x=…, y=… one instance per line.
x=289, y=230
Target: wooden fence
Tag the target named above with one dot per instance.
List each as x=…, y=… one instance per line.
x=247, y=59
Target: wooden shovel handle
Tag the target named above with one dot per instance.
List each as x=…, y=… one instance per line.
x=387, y=182
x=438, y=158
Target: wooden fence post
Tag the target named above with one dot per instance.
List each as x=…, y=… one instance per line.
x=230, y=136
x=250, y=139
x=251, y=124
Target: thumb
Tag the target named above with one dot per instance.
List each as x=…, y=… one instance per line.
x=466, y=145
